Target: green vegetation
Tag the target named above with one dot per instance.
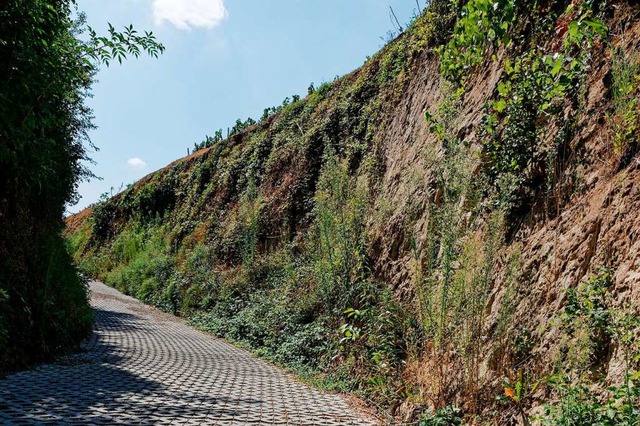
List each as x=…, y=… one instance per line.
x=483, y=23
x=539, y=80
x=452, y=267
x=447, y=416
x=624, y=119
x=241, y=125
x=591, y=329
x=46, y=73
x=284, y=238
x=249, y=212
x=339, y=246
x=303, y=303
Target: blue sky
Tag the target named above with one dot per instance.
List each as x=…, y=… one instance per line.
x=224, y=59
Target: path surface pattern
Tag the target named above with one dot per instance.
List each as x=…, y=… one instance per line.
x=145, y=367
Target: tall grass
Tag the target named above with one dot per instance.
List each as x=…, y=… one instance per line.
x=453, y=265
x=341, y=203
x=249, y=211
x=624, y=118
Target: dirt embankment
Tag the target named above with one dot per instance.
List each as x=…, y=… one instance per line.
x=587, y=218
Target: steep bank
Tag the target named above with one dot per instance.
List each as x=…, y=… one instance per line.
x=438, y=228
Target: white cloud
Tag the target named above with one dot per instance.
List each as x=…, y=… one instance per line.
x=137, y=163
x=186, y=14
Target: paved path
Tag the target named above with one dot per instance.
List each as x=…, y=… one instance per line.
x=145, y=367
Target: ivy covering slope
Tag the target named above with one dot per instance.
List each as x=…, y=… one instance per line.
x=383, y=235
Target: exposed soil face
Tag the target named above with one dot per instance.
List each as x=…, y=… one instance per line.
x=594, y=224
x=589, y=155
x=75, y=221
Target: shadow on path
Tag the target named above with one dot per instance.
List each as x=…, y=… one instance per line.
x=144, y=367
x=95, y=386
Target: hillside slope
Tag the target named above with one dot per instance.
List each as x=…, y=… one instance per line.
x=444, y=227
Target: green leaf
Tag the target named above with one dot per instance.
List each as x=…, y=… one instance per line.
x=597, y=25
x=507, y=66
x=574, y=29
x=502, y=89
x=428, y=117
x=557, y=66
x=500, y=105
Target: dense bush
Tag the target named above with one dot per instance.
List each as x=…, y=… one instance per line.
x=43, y=124
x=46, y=72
